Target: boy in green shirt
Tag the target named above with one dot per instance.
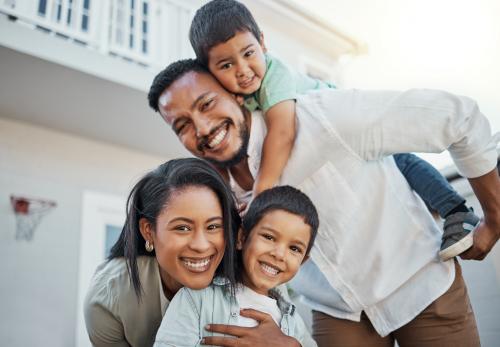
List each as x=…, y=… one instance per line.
x=228, y=41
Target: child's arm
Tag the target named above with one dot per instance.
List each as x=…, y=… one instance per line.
x=181, y=323
x=278, y=143
x=429, y=184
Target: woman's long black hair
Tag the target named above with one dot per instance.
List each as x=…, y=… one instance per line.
x=151, y=195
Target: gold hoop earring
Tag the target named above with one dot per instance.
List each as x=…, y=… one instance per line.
x=149, y=246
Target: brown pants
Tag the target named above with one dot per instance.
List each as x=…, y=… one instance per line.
x=447, y=322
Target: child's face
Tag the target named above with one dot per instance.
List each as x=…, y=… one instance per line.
x=274, y=250
x=239, y=63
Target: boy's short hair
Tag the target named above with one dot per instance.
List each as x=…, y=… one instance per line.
x=284, y=198
x=168, y=76
x=218, y=21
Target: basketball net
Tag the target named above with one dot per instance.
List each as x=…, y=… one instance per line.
x=29, y=212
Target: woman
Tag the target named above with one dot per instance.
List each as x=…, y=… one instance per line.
x=181, y=220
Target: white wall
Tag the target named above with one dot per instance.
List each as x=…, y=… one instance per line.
x=38, y=288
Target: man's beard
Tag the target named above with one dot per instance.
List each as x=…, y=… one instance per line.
x=240, y=154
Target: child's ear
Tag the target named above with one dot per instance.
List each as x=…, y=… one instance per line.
x=262, y=43
x=240, y=240
x=306, y=258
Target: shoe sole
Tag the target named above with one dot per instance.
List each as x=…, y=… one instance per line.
x=458, y=247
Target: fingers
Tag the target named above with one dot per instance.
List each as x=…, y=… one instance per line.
x=220, y=341
x=225, y=329
x=257, y=315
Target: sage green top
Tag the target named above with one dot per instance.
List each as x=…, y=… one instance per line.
x=113, y=314
x=281, y=83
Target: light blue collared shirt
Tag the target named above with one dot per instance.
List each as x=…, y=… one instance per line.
x=191, y=310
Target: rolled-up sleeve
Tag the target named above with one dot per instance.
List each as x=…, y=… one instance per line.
x=375, y=124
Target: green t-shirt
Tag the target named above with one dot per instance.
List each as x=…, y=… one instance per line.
x=281, y=83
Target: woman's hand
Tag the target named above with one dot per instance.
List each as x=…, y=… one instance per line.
x=261, y=335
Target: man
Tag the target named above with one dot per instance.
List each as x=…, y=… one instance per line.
x=375, y=273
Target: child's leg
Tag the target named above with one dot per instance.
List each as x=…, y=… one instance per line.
x=429, y=184
x=437, y=193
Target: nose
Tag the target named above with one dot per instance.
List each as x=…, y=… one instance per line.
x=279, y=252
x=199, y=242
x=242, y=69
x=202, y=125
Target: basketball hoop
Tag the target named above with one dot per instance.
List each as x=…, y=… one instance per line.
x=29, y=212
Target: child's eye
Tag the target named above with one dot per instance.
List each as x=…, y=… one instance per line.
x=249, y=53
x=226, y=66
x=296, y=249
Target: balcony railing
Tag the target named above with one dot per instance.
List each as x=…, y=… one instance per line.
x=151, y=33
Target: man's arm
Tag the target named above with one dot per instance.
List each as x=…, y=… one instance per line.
x=487, y=190
x=259, y=336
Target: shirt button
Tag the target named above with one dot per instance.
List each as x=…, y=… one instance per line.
x=233, y=314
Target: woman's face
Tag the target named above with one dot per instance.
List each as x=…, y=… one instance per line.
x=189, y=238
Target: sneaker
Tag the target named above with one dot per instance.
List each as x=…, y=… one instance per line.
x=458, y=234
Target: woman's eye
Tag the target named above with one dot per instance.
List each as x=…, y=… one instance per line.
x=182, y=228
x=268, y=237
x=214, y=227
x=296, y=249
x=249, y=53
x=226, y=66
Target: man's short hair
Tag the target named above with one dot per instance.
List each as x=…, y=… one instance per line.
x=168, y=76
x=218, y=21
x=284, y=198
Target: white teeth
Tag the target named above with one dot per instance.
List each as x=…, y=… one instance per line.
x=269, y=269
x=197, y=264
x=218, y=138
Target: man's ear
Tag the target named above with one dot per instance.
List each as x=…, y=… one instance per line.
x=306, y=258
x=146, y=229
x=262, y=43
x=240, y=240
x=239, y=99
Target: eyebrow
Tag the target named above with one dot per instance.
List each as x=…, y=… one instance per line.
x=187, y=220
x=276, y=232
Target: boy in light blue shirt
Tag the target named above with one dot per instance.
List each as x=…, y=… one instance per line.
x=228, y=41
x=276, y=236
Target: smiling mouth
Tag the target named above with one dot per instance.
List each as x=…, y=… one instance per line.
x=247, y=82
x=269, y=270
x=215, y=138
x=198, y=264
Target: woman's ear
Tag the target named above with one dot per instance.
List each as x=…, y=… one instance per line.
x=146, y=229
x=240, y=240
x=262, y=43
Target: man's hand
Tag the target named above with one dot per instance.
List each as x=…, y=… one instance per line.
x=265, y=334
x=487, y=190
x=485, y=237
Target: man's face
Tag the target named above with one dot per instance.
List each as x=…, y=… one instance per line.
x=206, y=118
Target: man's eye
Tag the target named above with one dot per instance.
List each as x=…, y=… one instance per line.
x=206, y=104
x=296, y=249
x=249, y=53
x=181, y=127
x=226, y=66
